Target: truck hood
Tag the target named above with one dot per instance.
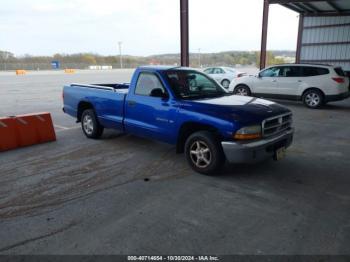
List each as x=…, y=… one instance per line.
x=245, y=110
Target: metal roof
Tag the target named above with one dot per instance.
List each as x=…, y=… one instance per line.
x=316, y=7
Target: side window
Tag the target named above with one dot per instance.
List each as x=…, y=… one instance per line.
x=146, y=83
x=218, y=71
x=290, y=71
x=271, y=72
x=339, y=71
x=208, y=71
x=314, y=71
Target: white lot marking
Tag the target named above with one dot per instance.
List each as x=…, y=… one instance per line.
x=61, y=127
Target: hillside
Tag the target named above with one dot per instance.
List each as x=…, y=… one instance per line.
x=8, y=61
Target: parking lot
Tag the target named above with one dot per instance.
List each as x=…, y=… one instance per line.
x=127, y=195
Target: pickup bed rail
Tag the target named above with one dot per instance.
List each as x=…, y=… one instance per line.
x=111, y=87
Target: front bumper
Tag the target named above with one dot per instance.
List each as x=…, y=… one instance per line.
x=251, y=152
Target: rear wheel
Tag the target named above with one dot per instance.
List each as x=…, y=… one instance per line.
x=90, y=125
x=225, y=83
x=242, y=90
x=313, y=98
x=204, y=153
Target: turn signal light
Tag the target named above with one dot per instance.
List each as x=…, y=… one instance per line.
x=246, y=136
x=339, y=80
x=248, y=132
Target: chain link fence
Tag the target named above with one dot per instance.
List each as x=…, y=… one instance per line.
x=47, y=66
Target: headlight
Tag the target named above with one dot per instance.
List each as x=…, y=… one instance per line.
x=248, y=132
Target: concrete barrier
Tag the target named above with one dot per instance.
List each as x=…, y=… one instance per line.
x=26, y=130
x=8, y=133
x=21, y=72
x=69, y=71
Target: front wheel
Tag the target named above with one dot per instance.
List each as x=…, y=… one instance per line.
x=90, y=125
x=313, y=99
x=204, y=153
x=242, y=90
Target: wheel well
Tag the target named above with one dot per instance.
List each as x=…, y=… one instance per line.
x=188, y=129
x=246, y=86
x=242, y=85
x=312, y=88
x=82, y=107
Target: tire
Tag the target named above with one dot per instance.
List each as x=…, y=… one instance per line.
x=225, y=83
x=313, y=98
x=89, y=124
x=242, y=90
x=204, y=153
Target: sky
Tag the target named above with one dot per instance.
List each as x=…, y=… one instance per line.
x=145, y=27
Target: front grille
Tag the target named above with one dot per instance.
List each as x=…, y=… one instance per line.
x=277, y=124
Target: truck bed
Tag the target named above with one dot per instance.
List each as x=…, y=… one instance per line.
x=106, y=99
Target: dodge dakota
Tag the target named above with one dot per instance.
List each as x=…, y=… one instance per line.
x=186, y=108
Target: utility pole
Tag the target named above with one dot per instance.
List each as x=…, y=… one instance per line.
x=199, y=57
x=120, y=54
x=6, y=56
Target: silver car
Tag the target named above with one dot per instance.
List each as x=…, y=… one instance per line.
x=223, y=75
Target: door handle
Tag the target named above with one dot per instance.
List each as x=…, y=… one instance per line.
x=274, y=80
x=300, y=81
x=131, y=103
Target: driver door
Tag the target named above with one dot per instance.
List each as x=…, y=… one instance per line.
x=266, y=82
x=146, y=115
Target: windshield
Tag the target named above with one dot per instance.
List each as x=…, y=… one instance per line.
x=188, y=84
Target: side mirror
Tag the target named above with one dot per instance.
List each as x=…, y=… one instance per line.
x=158, y=92
x=258, y=75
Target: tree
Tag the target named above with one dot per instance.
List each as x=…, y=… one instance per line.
x=4, y=55
x=88, y=59
x=270, y=59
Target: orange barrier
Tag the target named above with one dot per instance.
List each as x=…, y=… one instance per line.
x=26, y=130
x=8, y=134
x=69, y=71
x=46, y=131
x=21, y=72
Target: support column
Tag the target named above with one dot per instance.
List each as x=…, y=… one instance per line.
x=185, y=61
x=300, y=38
x=264, y=34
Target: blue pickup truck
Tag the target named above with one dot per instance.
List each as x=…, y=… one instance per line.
x=186, y=108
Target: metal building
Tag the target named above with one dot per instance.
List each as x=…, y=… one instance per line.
x=324, y=31
x=323, y=35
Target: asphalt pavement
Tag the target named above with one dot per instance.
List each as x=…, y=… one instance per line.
x=127, y=195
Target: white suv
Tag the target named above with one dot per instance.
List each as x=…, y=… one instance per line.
x=315, y=85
